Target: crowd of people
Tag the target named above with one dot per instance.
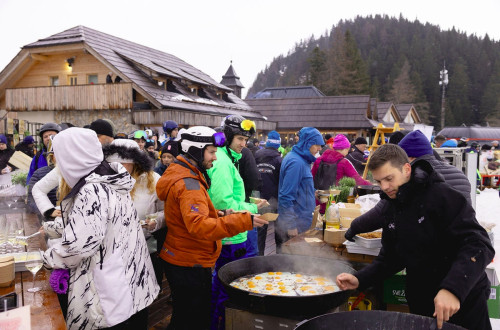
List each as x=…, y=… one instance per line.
x=121, y=211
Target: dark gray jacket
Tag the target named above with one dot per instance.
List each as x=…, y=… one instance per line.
x=372, y=219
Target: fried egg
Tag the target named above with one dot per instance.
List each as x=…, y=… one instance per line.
x=285, y=284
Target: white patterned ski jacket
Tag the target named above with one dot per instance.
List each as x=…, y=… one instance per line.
x=104, y=248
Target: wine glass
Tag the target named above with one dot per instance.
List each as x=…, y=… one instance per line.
x=3, y=234
x=34, y=263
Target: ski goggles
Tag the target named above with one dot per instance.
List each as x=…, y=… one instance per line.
x=248, y=125
x=140, y=135
x=218, y=139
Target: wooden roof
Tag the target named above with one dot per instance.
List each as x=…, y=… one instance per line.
x=327, y=112
x=406, y=109
x=140, y=64
x=287, y=92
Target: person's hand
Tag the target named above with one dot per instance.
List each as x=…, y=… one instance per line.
x=446, y=305
x=6, y=170
x=154, y=138
x=259, y=222
x=349, y=235
x=262, y=203
x=150, y=224
x=316, y=194
x=347, y=281
x=56, y=213
x=292, y=232
x=221, y=213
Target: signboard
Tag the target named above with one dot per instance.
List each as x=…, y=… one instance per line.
x=427, y=130
x=10, y=126
x=22, y=127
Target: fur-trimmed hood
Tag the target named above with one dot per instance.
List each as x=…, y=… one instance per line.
x=139, y=157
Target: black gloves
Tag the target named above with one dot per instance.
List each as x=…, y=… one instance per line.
x=349, y=235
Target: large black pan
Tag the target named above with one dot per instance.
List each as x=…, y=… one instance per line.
x=302, y=306
x=373, y=320
x=366, y=190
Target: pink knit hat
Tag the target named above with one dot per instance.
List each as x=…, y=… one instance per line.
x=341, y=142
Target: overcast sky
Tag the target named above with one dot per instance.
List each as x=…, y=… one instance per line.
x=208, y=34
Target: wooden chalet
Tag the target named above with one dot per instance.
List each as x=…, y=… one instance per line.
x=353, y=116
x=81, y=74
x=408, y=113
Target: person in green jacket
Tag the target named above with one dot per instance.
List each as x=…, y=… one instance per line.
x=227, y=191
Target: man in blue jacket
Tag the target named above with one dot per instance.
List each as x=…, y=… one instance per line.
x=269, y=165
x=296, y=199
x=46, y=132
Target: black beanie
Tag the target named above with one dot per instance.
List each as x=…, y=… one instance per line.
x=100, y=126
x=149, y=143
x=360, y=140
x=171, y=147
x=396, y=137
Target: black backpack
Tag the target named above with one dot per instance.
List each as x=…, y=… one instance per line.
x=326, y=176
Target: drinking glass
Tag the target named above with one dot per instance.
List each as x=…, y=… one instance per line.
x=3, y=234
x=34, y=263
x=14, y=229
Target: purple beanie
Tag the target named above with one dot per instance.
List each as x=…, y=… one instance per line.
x=341, y=142
x=28, y=139
x=416, y=144
x=3, y=139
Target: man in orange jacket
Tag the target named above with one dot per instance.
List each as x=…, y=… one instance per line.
x=195, y=230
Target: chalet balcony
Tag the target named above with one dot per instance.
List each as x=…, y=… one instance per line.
x=79, y=97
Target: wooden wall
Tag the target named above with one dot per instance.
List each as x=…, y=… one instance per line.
x=191, y=118
x=82, y=97
x=55, y=65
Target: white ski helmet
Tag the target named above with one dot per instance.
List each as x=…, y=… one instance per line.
x=195, y=139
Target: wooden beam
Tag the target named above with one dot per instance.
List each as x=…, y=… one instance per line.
x=38, y=57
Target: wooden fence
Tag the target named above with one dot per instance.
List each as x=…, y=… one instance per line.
x=80, y=97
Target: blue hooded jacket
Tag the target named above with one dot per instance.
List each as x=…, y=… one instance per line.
x=37, y=162
x=296, y=200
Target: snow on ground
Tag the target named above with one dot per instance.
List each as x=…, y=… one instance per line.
x=488, y=210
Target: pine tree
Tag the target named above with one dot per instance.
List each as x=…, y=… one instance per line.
x=458, y=108
x=317, y=70
x=490, y=104
x=402, y=90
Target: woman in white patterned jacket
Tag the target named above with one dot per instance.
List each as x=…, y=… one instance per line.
x=112, y=280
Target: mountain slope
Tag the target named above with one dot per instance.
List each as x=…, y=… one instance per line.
x=402, y=60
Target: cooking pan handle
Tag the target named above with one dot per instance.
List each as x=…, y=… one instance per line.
x=257, y=301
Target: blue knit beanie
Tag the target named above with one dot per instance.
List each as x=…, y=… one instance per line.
x=3, y=139
x=273, y=140
x=416, y=144
x=28, y=139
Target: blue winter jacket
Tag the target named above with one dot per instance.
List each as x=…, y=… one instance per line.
x=296, y=200
x=35, y=165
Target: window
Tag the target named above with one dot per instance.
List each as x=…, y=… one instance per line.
x=54, y=81
x=92, y=79
x=72, y=80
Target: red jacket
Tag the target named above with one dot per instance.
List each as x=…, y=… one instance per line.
x=344, y=167
x=194, y=228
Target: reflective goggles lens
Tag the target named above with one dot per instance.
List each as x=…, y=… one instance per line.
x=247, y=125
x=140, y=135
x=219, y=139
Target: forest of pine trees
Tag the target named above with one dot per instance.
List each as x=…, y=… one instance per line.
x=397, y=60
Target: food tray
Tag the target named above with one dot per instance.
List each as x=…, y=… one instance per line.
x=19, y=259
x=371, y=243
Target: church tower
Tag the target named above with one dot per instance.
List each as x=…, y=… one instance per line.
x=231, y=80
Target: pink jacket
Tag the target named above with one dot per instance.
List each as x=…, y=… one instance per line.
x=344, y=167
